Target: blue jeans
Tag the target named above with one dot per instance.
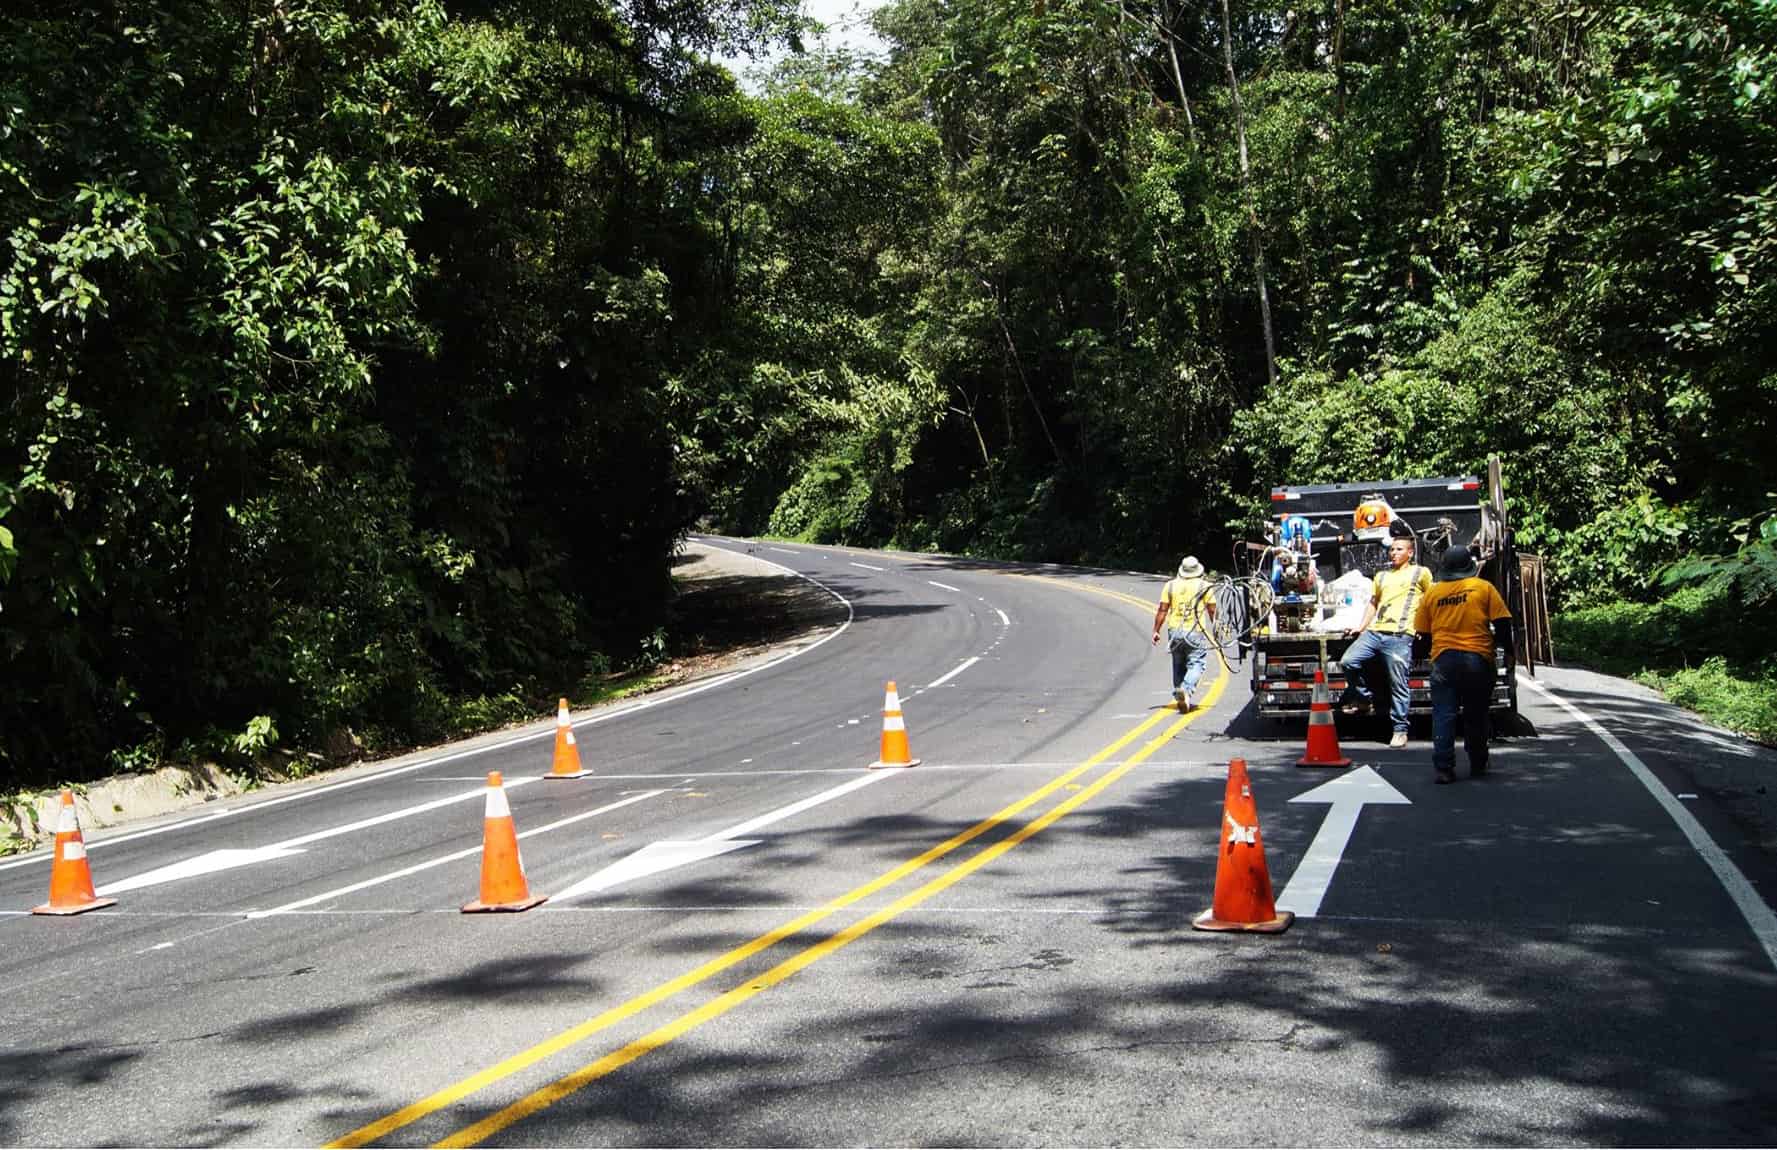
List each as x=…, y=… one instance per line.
x=1396, y=651
x=1188, y=663
x=1461, y=681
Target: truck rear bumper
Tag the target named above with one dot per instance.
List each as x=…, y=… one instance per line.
x=1284, y=700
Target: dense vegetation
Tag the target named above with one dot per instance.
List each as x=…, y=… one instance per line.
x=363, y=361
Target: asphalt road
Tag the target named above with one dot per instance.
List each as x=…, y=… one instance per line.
x=991, y=948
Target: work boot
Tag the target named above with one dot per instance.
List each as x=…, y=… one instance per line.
x=1400, y=740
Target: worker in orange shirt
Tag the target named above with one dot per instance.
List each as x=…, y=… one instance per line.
x=1465, y=617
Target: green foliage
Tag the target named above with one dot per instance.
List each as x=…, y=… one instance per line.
x=1624, y=637
x=1748, y=575
x=260, y=734
x=333, y=340
x=1693, y=646
x=487, y=712
x=363, y=361
x=1740, y=702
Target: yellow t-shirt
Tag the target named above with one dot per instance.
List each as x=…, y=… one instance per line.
x=1397, y=595
x=1457, y=615
x=1183, y=600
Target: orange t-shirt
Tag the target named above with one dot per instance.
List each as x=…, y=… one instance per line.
x=1457, y=615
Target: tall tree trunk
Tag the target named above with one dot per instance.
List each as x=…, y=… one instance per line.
x=1339, y=57
x=1018, y=365
x=1246, y=192
x=1178, y=75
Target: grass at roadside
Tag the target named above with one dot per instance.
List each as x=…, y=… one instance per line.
x=1696, y=649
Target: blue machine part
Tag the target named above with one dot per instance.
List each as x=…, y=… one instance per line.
x=1296, y=534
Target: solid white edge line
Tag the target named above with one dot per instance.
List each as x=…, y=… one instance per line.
x=44, y=854
x=1758, y=915
x=954, y=672
x=366, y=884
x=945, y=586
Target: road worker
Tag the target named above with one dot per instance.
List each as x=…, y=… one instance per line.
x=1386, y=633
x=1187, y=611
x=1465, y=617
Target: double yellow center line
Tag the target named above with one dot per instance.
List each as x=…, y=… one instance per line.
x=715, y=1008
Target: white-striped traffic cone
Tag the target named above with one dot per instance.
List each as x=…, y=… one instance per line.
x=70, y=876
x=567, y=751
x=1323, y=735
x=895, y=751
x=503, y=882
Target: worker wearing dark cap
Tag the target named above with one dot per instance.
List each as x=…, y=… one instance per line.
x=1464, y=616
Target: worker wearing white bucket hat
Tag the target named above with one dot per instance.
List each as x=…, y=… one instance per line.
x=1185, y=605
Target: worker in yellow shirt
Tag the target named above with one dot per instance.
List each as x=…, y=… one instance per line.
x=1465, y=618
x=1185, y=604
x=1387, y=634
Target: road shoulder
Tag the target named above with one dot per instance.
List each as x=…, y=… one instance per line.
x=1730, y=770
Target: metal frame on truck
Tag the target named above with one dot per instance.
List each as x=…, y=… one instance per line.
x=1438, y=513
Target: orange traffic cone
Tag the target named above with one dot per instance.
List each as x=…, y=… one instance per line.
x=70, y=877
x=895, y=752
x=1243, y=900
x=503, y=885
x=1323, y=736
x=567, y=751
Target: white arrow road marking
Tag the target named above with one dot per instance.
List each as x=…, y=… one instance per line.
x=652, y=859
x=329, y=896
x=196, y=865
x=1348, y=794
x=665, y=855
x=231, y=858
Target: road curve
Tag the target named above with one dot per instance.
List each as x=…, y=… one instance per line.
x=992, y=947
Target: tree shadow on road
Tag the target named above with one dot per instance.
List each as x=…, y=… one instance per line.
x=1556, y=1006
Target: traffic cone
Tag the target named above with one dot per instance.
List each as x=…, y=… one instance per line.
x=70, y=877
x=1243, y=900
x=895, y=752
x=1323, y=735
x=567, y=751
x=503, y=885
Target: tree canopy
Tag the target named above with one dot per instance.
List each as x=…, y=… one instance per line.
x=363, y=360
